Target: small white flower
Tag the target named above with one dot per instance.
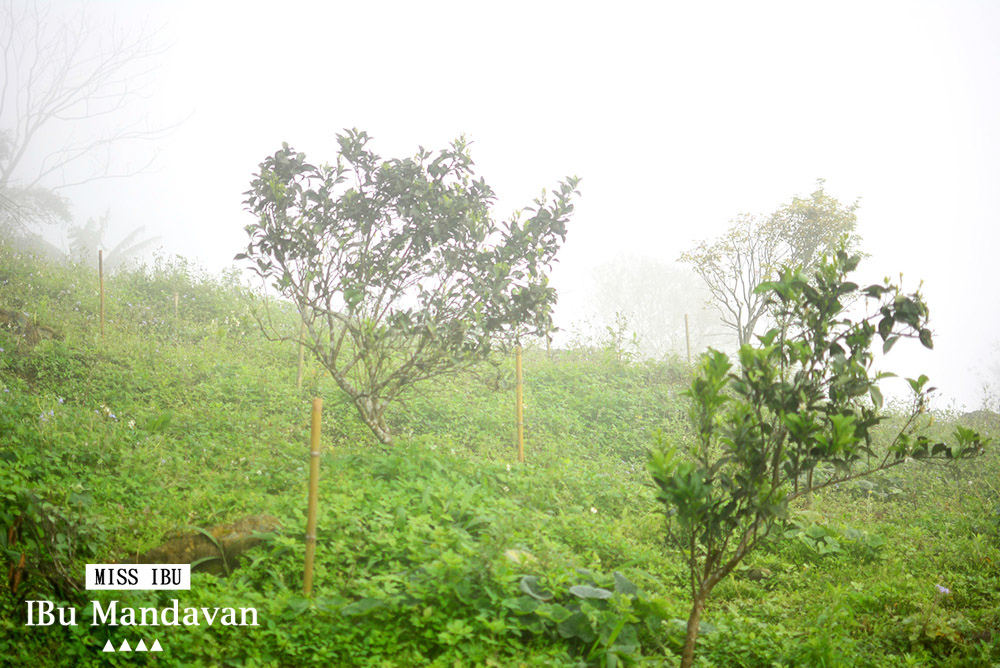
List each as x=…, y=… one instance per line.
x=506, y=488
x=131, y=424
x=508, y=467
x=593, y=509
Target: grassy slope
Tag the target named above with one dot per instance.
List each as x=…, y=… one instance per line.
x=414, y=562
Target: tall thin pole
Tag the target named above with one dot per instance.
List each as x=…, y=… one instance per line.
x=317, y=412
x=687, y=337
x=176, y=299
x=100, y=273
x=520, y=404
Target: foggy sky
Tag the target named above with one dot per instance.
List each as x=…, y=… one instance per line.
x=678, y=116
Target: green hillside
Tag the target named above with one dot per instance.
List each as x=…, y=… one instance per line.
x=444, y=550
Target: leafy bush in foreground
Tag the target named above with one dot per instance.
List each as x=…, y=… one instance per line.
x=797, y=401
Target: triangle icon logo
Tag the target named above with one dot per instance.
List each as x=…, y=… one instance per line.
x=141, y=647
x=125, y=646
x=156, y=647
x=108, y=647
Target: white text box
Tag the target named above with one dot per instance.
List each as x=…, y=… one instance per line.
x=138, y=576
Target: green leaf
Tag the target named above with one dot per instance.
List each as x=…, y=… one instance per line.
x=876, y=395
x=204, y=560
x=583, y=591
x=885, y=327
x=364, y=607
x=553, y=611
x=917, y=384
x=925, y=338
x=530, y=586
x=577, y=626
x=523, y=605
x=298, y=604
x=624, y=586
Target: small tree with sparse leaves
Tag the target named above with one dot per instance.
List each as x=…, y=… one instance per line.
x=805, y=398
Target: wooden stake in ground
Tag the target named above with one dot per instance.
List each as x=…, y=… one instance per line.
x=100, y=273
x=302, y=337
x=175, y=305
x=687, y=337
x=317, y=412
x=520, y=404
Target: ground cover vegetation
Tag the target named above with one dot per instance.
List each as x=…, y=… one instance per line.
x=443, y=550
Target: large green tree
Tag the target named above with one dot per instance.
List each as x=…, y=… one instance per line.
x=805, y=401
x=398, y=268
x=754, y=247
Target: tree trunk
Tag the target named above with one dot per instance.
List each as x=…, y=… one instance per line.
x=694, y=619
x=371, y=412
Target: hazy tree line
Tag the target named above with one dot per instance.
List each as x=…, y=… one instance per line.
x=66, y=113
x=641, y=301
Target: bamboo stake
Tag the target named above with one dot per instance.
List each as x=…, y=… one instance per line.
x=520, y=404
x=302, y=336
x=317, y=411
x=687, y=337
x=100, y=273
x=175, y=305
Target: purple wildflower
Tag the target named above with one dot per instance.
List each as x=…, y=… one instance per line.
x=942, y=590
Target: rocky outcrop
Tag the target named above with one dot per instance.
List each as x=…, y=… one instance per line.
x=215, y=550
x=28, y=331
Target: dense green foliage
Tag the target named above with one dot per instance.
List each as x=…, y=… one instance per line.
x=805, y=400
x=398, y=268
x=445, y=551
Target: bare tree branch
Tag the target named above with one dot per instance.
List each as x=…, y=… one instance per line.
x=60, y=74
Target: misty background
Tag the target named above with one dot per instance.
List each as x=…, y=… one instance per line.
x=678, y=117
